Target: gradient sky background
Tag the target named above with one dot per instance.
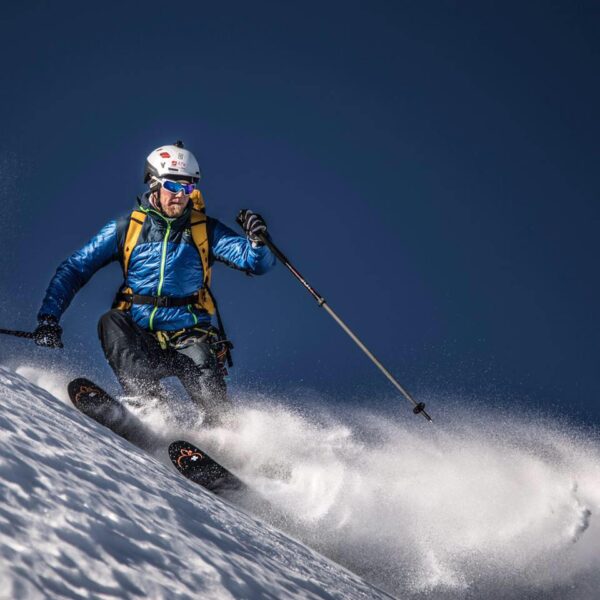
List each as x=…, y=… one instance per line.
x=430, y=167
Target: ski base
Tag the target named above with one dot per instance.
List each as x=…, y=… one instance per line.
x=189, y=460
x=200, y=468
x=99, y=405
x=93, y=401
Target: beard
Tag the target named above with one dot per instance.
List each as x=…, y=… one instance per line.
x=170, y=209
x=173, y=211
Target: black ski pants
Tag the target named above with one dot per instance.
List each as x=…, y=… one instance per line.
x=139, y=363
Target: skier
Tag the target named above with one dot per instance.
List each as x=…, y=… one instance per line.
x=160, y=323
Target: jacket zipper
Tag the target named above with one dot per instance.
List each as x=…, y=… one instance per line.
x=163, y=261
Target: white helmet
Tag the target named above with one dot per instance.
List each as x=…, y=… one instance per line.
x=171, y=161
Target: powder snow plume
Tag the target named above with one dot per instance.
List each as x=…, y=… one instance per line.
x=487, y=506
x=495, y=507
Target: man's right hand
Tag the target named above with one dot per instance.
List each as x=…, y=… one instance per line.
x=253, y=225
x=48, y=332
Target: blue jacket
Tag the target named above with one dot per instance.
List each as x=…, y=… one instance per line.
x=179, y=273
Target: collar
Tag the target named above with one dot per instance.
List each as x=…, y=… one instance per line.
x=145, y=206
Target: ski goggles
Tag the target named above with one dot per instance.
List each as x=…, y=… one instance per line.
x=175, y=186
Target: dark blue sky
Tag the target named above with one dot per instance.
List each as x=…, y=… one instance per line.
x=431, y=167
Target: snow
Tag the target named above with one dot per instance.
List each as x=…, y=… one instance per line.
x=86, y=514
x=481, y=504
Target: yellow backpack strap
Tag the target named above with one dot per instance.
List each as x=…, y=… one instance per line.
x=198, y=225
x=136, y=222
x=200, y=237
x=197, y=200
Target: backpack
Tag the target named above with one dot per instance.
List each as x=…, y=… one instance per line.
x=204, y=299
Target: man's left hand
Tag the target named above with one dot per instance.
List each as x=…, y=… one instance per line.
x=253, y=225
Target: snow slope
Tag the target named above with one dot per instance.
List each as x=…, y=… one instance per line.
x=481, y=504
x=85, y=514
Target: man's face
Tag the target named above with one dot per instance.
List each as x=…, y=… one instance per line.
x=172, y=204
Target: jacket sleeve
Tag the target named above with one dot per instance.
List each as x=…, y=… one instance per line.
x=78, y=269
x=237, y=251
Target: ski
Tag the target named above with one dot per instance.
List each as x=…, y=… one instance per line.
x=190, y=461
x=99, y=405
x=93, y=401
x=200, y=468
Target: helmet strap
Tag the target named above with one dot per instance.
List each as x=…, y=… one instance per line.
x=154, y=184
x=154, y=196
x=154, y=200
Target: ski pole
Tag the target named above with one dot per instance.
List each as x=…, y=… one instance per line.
x=418, y=407
x=21, y=334
x=25, y=334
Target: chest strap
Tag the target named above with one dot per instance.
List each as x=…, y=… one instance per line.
x=160, y=301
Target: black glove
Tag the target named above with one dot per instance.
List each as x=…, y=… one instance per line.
x=253, y=225
x=48, y=332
